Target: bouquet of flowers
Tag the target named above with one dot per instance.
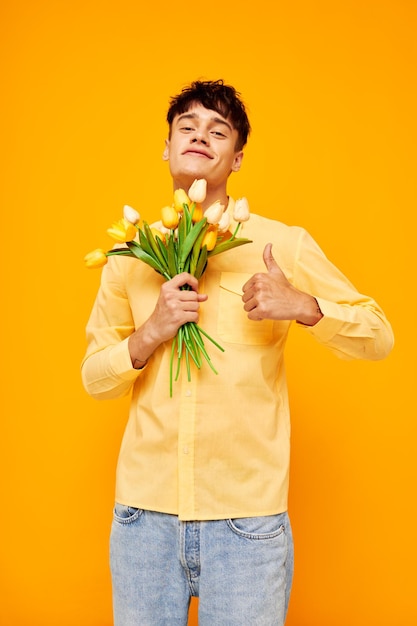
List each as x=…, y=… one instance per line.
x=182, y=241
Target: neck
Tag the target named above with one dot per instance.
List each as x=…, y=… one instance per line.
x=214, y=193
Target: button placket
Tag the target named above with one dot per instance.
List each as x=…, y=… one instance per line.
x=186, y=434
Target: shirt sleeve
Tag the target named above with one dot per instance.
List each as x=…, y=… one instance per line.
x=353, y=325
x=106, y=369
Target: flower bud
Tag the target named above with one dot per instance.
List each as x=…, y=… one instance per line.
x=210, y=238
x=122, y=231
x=197, y=213
x=130, y=214
x=170, y=217
x=159, y=226
x=214, y=212
x=241, y=210
x=95, y=259
x=180, y=198
x=198, y=190
x=224, y=222
x=157, y=233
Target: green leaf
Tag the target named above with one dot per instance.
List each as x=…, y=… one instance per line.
x=182, y=228
x=201, y=263
x=228, y=245
x=162, y=249
x=172, y=257
x=144, y=242
x=197, y=249
x=190, y=240
x=120, y=251
x=155, y=251
x=140, y=254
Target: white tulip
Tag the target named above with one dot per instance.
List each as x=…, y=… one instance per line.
x=241, y=211
x=198, y=190
x=214, y=212
x=159, y=226
x=224, y=222
x=130, y=214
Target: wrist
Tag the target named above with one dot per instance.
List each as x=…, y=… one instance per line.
x=140, y=349
x=311, y=313
x=138, y=364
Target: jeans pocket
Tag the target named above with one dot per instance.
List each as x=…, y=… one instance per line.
x=124, y=514
x=263, y=527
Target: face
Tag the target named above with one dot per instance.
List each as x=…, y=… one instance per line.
x=202, y=145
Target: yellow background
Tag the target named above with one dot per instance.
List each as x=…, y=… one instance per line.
x=331, y=91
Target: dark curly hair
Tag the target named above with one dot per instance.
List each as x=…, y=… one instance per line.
x=216, y=96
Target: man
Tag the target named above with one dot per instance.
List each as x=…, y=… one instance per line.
x=202, y=477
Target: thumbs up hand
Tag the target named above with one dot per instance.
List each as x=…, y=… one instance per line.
x=269, y=295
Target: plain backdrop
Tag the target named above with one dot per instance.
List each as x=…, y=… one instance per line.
x=331, y=92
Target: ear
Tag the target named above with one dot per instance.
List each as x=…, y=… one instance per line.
x=165, y=154
x=237, y=161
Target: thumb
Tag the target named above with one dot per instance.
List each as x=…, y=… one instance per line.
x=270, y=263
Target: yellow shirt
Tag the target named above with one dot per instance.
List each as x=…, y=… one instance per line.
x=220, y=447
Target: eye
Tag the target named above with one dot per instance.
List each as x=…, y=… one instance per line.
x=217, y=133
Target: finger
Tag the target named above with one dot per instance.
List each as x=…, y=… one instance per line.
x=185, y=295
x=248, y=284
x=247, y=294
x=185, y=279
x=249, y=305
x=270, y=263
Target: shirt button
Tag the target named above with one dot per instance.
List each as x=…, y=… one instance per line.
x=188, y=393
x=185, y=449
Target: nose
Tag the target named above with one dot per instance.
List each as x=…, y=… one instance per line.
x=200, y=136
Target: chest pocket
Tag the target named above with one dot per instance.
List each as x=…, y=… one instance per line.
x=233, y=324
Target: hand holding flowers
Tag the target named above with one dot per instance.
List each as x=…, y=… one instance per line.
x=182, y=241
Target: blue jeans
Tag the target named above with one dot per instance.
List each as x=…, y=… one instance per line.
x=241, y=569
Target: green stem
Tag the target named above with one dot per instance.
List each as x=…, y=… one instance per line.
x=179, y=351
x=236, y=231
x=191, y=347
x=187, y=362
x=210, y=338
x=200, y=342
x=171, y=362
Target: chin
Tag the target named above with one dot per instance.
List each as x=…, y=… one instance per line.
x=187, y=176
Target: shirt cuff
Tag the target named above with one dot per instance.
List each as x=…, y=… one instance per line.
x=330, y=324
x=121, y=363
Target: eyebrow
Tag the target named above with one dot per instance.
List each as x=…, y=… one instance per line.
x=218, y=120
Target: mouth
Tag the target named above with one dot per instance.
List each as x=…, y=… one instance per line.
x=197, y=153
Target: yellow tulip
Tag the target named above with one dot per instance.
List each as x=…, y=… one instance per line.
x=180, y=198
x=197, y=213
x=214, y=212
x=210, y=238
x=160, y=227
x=198, y=190
x=95, y=259
x=122, y=231
x=241, y=210
x=170, y=217
x=157, y=233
